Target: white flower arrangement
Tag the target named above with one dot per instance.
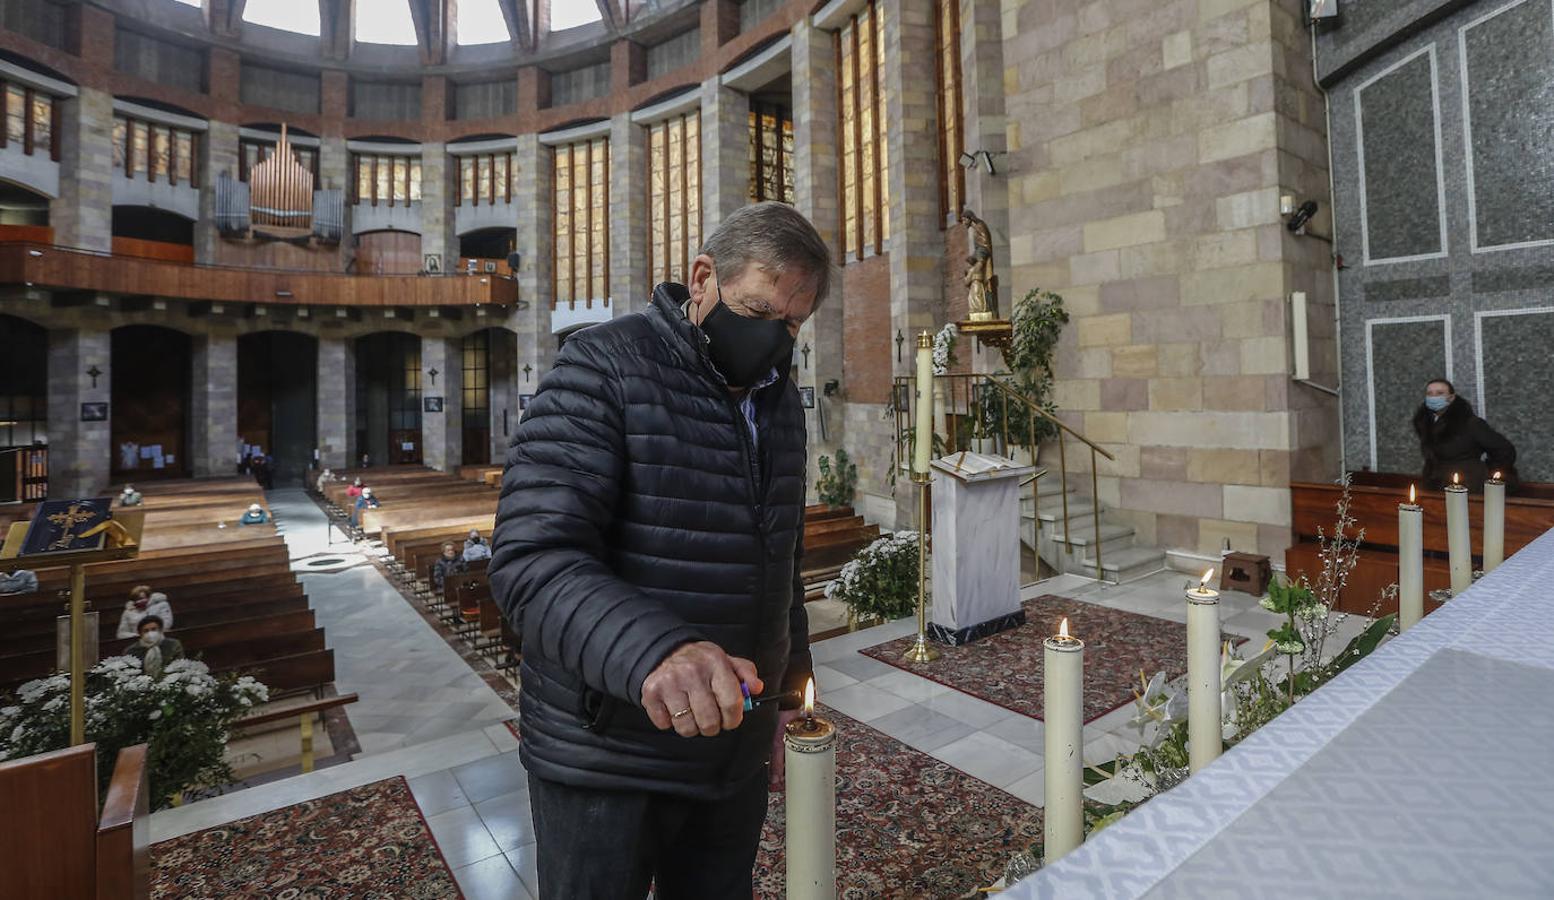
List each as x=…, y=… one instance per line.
x=944, y=349
x=881, y=581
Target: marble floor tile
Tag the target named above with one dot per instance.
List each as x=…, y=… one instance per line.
x=492, y=777
x=501, y=736
x=525, y=861
x=909, y=685
x=828, y=679
x=493, y=878
x=462, y=837
x=921, y=728
x=509, y=819
x=1031, y=788
x=973, y=711
x=1022, y=731
x=865, y=702
x=437, y=793
x=992, y=759
x=860, y=667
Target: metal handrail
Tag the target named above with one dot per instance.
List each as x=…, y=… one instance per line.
x=1006, y=393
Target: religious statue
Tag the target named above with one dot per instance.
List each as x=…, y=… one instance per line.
x=981, y=283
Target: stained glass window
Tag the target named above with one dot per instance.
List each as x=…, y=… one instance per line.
x=581, y=223
x=952, y=178
x=390, y=180
x=771, y=152
x=42, y=122
x=674, y=207
x=860, y=48
x=15, y=114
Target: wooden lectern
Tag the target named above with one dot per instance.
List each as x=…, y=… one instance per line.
x=83, y=540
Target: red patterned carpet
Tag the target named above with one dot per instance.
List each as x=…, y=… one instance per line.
x=907, y=824
x=369, y=843
x=1006, y=668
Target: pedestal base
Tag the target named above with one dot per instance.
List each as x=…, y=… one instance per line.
x=962, y=636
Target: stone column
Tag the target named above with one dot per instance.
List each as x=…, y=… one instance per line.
x=814, y=195
x=336, y=386
x=725, y=142
x=504, y=381
x=983, y=123
x=536, y=344
x=213, y=406
x=629, y=282
x=437, y=225
x=82, y=214
x=79, y=452
x=334, y=173
x=218, y=156
x=442, y=433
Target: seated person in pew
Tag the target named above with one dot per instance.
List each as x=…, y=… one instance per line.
x=254, y=516
x=365, y=501
x=1455, y=441
x=355, y=490
x=475, y=547
x=154, y=649
x=451, y=563
x=22, y=581
x=366, y=462
x=129, y=496
x=324, y=478
x=143, y=603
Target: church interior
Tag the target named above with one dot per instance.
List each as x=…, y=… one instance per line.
x=1179, y=431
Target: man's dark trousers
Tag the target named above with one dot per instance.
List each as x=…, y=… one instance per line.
x=610, y=845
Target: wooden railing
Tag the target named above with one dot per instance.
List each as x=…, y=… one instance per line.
x=69, y=268
x=978, y=407
x=306, y=712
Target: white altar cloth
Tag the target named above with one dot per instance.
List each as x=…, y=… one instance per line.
x=1422, y=771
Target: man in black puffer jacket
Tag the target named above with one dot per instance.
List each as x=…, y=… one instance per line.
x=647, y=550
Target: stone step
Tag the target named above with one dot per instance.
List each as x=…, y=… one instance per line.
x=1112, y=535
x=1127, y=565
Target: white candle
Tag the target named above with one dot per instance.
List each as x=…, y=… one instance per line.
x=1302, y=354
x=1494, y=523
x=1063, y=680
x=1458, y=543
x=1204, y=737
x=809, y=760
x=922, y=436
x=1410, y=562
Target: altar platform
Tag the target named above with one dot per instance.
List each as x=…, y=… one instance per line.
x=1423, y=771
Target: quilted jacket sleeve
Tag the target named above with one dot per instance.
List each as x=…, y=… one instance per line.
x=547, y=569
x=800, y=665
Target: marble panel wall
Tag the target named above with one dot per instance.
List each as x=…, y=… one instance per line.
x=1404, y=356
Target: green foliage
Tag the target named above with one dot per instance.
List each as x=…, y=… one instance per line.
x=1038, y=321
x=184, y=716
x=837, y=486
x=1363, y=644
x=881, y=581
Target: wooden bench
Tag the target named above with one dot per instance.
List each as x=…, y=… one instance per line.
x=57, y=846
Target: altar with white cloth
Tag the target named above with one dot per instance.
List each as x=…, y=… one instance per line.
x=1425, y=770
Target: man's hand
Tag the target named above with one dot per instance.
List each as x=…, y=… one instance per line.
x=779, y=769
x=700, y=683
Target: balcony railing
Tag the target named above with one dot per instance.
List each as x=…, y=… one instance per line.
x=71, y=268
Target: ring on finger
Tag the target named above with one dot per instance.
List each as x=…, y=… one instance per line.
x=681, y=713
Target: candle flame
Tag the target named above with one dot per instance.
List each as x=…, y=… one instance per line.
x=1456, y=478
x=1410, y=495
x=1497, y=476
x=1204, y=581
x=1063, y=628
x=809, y=698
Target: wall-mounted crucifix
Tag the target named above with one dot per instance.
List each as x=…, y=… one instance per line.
x=805, y=351
x=94, y=372
x=434, y=373
x=900, y=339
x=526, y=370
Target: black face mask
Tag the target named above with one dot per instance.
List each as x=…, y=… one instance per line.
x=745, y=349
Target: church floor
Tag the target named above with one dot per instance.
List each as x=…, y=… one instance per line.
x=464, y=769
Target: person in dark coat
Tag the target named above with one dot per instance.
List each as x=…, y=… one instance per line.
x=154, y=649
x=1455, y=441
x=450, y=563
x=647, y=550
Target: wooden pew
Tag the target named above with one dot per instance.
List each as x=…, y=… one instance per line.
x=54, y=844
x=1374, y=499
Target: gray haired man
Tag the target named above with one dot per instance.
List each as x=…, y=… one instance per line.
x=647, y=550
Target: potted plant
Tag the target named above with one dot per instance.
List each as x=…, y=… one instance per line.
x=880, y=583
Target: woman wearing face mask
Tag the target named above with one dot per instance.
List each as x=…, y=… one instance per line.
x=1455, y=441
x=475, y=547
x=450, y=563
x=154, y=649
x=142, y=603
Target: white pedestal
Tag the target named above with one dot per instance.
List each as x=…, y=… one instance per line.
x=976, y=548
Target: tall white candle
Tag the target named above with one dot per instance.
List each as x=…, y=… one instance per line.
x=1410, y=562
x=1494, y=523
x=809, y=758
x=922, y=436
x=1204, y=737
x=1063, y=680
x=1458, y=543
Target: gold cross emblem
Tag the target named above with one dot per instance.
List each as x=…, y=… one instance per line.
x=66, y=521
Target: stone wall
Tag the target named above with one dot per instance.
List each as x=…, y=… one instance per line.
x=1149, y=144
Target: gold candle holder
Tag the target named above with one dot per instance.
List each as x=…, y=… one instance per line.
x=921, y=650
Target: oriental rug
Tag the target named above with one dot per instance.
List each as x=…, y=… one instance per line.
x=366, y=843
x=907, y=825
x=1006, y=668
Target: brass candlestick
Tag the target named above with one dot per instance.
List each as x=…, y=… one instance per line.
x=921, y=651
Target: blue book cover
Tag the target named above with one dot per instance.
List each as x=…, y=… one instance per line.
x=58, y=524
